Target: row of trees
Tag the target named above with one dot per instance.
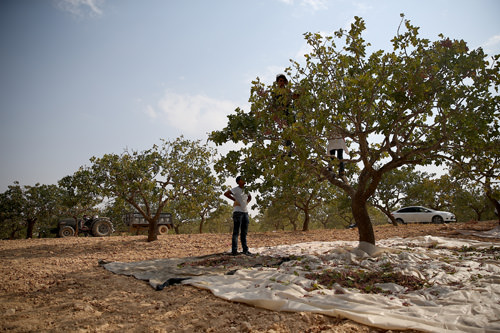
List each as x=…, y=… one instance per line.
x=173, y=176
x=324, y=206
x=424, y=103
x=293, y=204
x=115, y=184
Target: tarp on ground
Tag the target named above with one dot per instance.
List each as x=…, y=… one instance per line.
x=461, y=292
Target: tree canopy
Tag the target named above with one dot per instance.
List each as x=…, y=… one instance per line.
x=150, y=179
x=415, y=105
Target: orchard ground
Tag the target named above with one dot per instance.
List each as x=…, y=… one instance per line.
x=54, y=285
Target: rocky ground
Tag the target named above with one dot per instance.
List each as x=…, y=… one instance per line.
x=57, y=285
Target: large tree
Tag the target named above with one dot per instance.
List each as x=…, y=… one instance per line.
x=409, y=106
x=150, y=179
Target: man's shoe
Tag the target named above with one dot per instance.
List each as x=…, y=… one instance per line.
x=235, y=253
x=247, y=253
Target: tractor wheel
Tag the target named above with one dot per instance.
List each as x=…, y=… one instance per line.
x=102, y=228
x=66, y=231
x=162, y=229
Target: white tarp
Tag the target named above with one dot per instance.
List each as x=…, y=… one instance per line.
x=463, y=294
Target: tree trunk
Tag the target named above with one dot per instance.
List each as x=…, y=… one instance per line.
x=359, y=201
x=77, y=227
x=393, y=220
x=202, y=222
x=305, y=226
x=362, y=219
x=31, y=224
x=152, y=231
x=13, y=235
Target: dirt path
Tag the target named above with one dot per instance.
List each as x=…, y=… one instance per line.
x=56, y=285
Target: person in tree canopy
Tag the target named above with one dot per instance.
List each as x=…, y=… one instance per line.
x=281, y=102
x=281, y=105
x=336, y=146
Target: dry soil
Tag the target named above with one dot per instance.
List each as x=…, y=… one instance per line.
x=57, y=285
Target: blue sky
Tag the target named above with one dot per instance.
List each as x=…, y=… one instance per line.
x=83, y=78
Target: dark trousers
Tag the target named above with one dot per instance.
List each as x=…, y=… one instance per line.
x=340, y=156
x=240, y=222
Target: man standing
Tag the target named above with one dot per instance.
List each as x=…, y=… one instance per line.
x=240, y=215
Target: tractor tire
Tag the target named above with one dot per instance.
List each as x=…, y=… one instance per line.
x=66, y=231
x=102, y=228
x=162, y=229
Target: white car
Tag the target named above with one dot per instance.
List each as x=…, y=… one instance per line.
x=419, y=214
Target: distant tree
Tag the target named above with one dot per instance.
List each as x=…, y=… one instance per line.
x=115, y=209
x=79, y=195
x=198, y=207
x=289, y=213
x=150, y=179
x=12, y=204
x=477, y=158
x=410, y=106
x=394, y=187
x=207, y=199
x=184, y=215
x=469, y=200
x=293, y=187
x=435, y=193
x=335, y=213
x=221, y=221
x=279, y=215
x=41, y=203
x=23, y=206
x=325, y=215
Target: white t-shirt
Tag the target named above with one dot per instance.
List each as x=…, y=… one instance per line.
x=240, y=205
x=338, y=143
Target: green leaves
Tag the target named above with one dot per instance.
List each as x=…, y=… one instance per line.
x=149, y=180
x=23, y=206
x=420, y=103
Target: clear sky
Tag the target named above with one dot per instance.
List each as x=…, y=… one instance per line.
x=83, y=78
